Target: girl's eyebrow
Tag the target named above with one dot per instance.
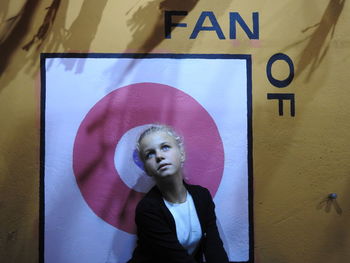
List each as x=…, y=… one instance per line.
x=147, y=151
x=150, y=149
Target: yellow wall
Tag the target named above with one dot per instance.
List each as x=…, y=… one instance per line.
x=297, y=161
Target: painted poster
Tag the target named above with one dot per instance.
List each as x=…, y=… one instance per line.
x=93, y=108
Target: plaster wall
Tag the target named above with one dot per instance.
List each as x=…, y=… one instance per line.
x=298, y=160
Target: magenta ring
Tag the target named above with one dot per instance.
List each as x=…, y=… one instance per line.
x=126, y=108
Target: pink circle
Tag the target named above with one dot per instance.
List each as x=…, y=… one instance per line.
x=128, y=107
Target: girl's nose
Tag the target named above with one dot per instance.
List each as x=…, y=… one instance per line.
x=159, y=156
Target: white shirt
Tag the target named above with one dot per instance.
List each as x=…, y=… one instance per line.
x=188, y=228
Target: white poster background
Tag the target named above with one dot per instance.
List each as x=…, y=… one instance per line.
x=72, y=231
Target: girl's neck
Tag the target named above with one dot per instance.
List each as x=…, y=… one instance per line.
x=174, y=190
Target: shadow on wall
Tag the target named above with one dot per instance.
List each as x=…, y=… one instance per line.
x=73, y=39
x=14, y=30
x=148, y=32
x=310, y=55
x=145, y=38
x=50, y=36
x=139, y=27
x=45, y=27
x=319, y=41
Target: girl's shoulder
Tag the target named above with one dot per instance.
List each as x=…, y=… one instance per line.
x=197, y=189
x=151, y=199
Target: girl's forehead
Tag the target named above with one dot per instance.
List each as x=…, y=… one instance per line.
x=155, y=138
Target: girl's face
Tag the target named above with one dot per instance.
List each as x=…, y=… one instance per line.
x=161, y=155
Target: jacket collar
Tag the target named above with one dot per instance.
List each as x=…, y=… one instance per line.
x=156, y=194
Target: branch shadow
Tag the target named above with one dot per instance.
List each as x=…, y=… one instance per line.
x=17, y=30
x=45, y=27
x=7, y=19
x=139, y=26
x=50, y=36
x=319, y=41
x=154, y=37
x=308, y=60
x=73, y=39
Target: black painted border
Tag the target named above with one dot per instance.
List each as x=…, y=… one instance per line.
x=246, y=57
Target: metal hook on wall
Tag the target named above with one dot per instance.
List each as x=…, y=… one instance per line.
x=328, y=202
x=332, y=196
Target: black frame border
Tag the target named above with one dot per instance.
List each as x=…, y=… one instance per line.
x=246, y=57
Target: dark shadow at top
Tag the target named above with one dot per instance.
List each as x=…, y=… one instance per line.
x=46, y=25
x=7, y=23
x=50, y=36
x=84, y=28
x=17, y=32
x=78, y=37
x=319, y=42
x=139, y=26
x=141, y=22
x=148, y=32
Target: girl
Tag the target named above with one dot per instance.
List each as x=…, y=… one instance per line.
x=175, y=221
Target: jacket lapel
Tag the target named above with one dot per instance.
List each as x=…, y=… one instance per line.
x=156, y=194
x=197, y=199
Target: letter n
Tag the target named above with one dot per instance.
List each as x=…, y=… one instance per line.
x=236, y=17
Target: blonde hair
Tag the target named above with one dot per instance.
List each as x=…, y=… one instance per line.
x=157, y=128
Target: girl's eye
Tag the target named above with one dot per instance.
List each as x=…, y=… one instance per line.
x=149, y=155
x=165, y=147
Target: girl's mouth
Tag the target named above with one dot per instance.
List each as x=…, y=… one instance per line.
x=163, y=165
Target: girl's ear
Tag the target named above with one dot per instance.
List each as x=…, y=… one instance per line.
x=182, y=158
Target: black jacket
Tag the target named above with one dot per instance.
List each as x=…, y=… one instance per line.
x=156, y=231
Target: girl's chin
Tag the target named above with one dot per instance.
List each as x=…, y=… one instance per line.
x=166, y=175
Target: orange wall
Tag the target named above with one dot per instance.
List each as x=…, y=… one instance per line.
x=298, y=160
